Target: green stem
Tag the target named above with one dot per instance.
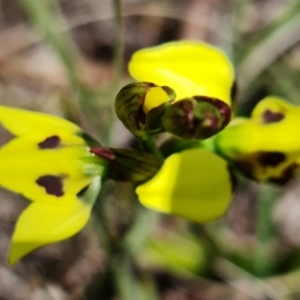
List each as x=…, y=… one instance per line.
x=208, y=144
x=117, y=69
x=124, y=279
x=118, y=48
x=46, y=16
x=264, y=265
x=99, y=212
x=140, y=231
x=150, y=146
x=128, y=286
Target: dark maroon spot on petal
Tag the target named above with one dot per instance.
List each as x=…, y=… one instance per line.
x=105, y=153
x=245, y=167
x=50, y=142
x=223, y=108
x=233, y=179
x=287, y=174
x=272, y=117
x=52, y=184
x=271, y=159
x=234, y=94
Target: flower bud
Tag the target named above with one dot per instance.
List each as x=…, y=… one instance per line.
x=196, y=118
x=140, y=106
x=128, y=164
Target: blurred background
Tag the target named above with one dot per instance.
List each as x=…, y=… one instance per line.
x=69, y=58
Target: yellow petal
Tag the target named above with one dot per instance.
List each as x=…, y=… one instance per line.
x=47, y=161
x=48, y=222
x=155, y=97
x=21, y=122
x=189, y=67
x=272, y=109
x=194, y=184
x=267, y=145
x=24, y=167
x=44, y=223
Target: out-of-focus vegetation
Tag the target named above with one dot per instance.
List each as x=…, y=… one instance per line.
x=69, y=58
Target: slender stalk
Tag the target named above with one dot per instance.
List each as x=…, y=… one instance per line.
x=42, y=14
x=46, y=17
x=150, y=146
x=126, y=284
x=99, y=212
x=140, y=231
x=264, y=231
x=119, y=47
x=117, y=68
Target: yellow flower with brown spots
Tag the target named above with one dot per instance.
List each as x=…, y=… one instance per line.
x=265, y=146
x=185, y=88
x=48, y=162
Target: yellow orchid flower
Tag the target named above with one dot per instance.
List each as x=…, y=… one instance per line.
x=190, y=68
x=194, y=184
x=265, y=146
x=49, y=163
x=184, y=88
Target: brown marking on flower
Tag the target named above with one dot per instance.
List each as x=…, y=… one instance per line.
x=223, y=108
x=272, y=117
x=52, y=184
x=105, y=153
x=179, y=119
x=233, y=94
x=287, y=174
x=129, y=105
x=233, y=179
x=50, y=142
x=245, y=167
x=270, y=159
